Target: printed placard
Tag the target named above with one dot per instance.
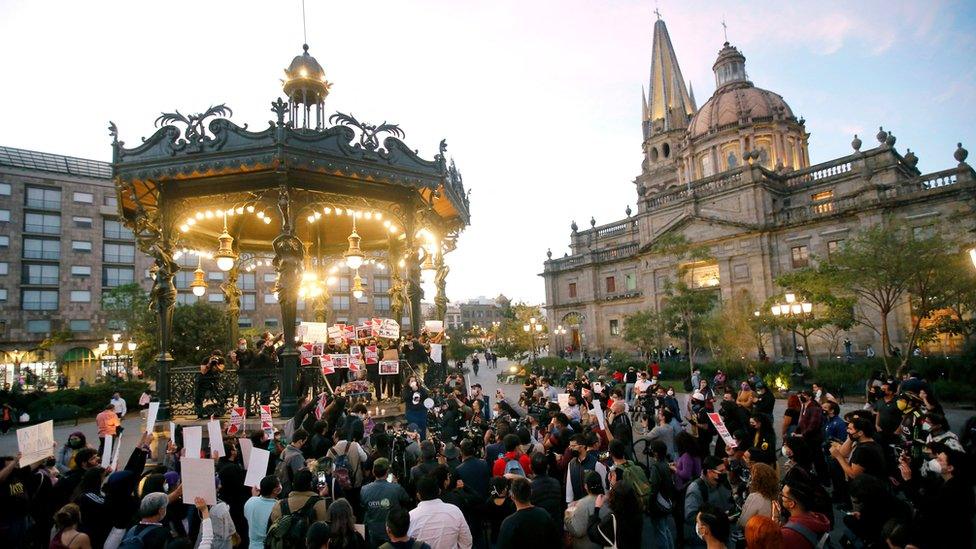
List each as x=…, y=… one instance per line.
x=340, y=361
x=266, y=423
x=355, y=351
x=328, y=366
x=335, y=332
x=364, y=331
x=348, y=332
x=356, y=363
x=237, y=415
x=35, y=442
x=722, y=430
x=305, y=350
x=372, y=354
x=389, y=367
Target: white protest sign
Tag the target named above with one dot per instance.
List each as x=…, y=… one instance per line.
x=107, y=452
x=436, y=352
x=389, y=367
x=193, y=441
x=723, y=431
x=115, y=453
x=388, y=328
x=246, y=446
x=35, y=442
x=172, y=430
x=197, y=476
x=314, y=332
x=151, y=414
x=598, y=412
x=563, y=400
x=257, y=467
x=434, y=326
x=216, y=438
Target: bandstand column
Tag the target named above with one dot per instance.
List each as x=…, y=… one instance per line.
x=164, y=298
x=440, y=282
x=232, y=297
x=289, y=253
x=396, y=280
x=415, y=292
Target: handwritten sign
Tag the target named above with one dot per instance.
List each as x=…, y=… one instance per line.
x=723, y=431
x=216, y=438
x=198, y=480
x=257, y=467
x=387, y=328
x=434, y=326
x=151, y=414
x=372, y=354
x=35, y=442
x=436, y=352
x=313, y=332
x=193, y=441
x=389, y=367
x=335, y=332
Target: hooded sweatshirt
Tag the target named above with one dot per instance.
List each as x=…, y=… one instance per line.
x=817, y=523
x=498, y=468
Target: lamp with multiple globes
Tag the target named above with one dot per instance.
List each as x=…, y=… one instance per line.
x=794, y=311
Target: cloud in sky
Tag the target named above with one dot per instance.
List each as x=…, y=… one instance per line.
x=539, y=101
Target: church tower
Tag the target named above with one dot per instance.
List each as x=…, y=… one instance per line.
x=668, y=107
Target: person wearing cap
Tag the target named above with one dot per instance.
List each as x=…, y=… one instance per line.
x=452, y=456
x=910, y=429
x=414, y=396
x=378, y=498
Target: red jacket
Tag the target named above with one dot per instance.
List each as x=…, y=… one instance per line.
x=815, y=522
x=498, y=469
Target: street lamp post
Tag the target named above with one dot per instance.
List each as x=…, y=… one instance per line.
x=560, y=332
x=759, y=326
x=533, y=328
x=794, y=311
x=123, y=352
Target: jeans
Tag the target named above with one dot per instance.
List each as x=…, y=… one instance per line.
x=663, y=532
x=629, y=394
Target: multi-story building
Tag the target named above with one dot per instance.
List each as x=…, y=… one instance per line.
x=482, y=311
x=62, y=247
x=734, y=175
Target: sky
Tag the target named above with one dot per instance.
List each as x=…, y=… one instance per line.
x=539, y=100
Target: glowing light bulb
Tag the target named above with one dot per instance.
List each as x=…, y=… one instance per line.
x=250, y=209
x=267, y=220
x=198, y=215
x=327, y=210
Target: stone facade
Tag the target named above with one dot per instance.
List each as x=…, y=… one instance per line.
x=735, y=176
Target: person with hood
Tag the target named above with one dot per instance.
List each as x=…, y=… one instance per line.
x=805, y=528
x=67, y=453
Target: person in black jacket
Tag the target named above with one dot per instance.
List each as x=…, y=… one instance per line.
x=547, y=492
x=528, y=526
x=623, y=525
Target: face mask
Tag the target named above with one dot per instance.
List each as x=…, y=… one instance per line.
x=926, y=426
x=413, y=385
x=574, y=453
x=74, y=443
x=902, y=405
x=935, y=466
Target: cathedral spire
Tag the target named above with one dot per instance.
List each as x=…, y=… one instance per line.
x=668, y=98
x=691, y=95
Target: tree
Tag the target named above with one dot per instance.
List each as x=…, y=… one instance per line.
x=645, y=329
x=197, y=330
x=731, y=330
x=126, y=306
x=512, y=340
x=832, y=311
x=457, y=349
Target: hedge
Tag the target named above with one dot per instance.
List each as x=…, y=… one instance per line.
x=89, y=400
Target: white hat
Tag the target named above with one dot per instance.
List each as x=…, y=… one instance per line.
x=697, y=395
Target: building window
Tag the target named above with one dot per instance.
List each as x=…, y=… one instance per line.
x=217, y=276
x=185, y=298
x=248, y=302
x=800, y=256
x=81, y=246
x=83, y=198
x=80, y=296
x=215, y=298
x=343, y=283
x=243, y=322
x=42, y=223
x=4, y=216
x=118, y=253
x=79, y=325
x=4, y=189
x=182, y=280
x=631, y=281
x=707, y=168
x=80, y=270
x=611, y=284
x=38, y=326
x=614, y=327
x=833, y=247
x=271, y=323
x=42, y=248
x=247, y=281
x=40, y=274
x=4, y=241
x=381, y=303
x=572, y=289
x=822, y=195
x=39, y=300
x=3, y=295
x=340, y=302
x=45, y=199
x=381, y=285
x=270, y=299
x=925, y=231
x=4, y=266
x=82, y=222
x=270, y=278
x=110, y=200
x=116, y=230
x=117, y=276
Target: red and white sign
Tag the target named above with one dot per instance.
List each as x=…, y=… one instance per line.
x=723, y=431
x=389, y=367
x=372, y=354
x=328, y=367
x=306, y=351
x=237, y=415
x=320, y=406
x=340, y=361
x=266, y=423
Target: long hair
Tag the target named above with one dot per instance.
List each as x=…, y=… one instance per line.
x=67, y=516
x=342, y=521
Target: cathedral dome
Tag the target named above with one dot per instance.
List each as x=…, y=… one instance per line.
x=740, y=103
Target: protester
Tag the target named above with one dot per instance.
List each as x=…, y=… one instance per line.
x=440, y=524
x=257, y=510
x=528, y=526
x=378, y=499
x=68, y=536
x=397, y=530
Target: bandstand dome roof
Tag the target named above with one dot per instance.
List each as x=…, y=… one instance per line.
x=305, y=73
x=736, y=100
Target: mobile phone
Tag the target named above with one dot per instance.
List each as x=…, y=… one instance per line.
x=389, y=477
x=321, y=478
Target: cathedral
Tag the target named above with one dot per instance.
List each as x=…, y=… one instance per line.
x=734, y=175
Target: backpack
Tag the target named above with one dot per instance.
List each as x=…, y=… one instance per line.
x=341, y=473
x=132, y=540
x=662, y=503
x=290, y=529
x=284, y=474
x=513, y=467
x=815, y=543
x=638, y=480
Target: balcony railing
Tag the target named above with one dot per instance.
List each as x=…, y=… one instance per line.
x=819, y=172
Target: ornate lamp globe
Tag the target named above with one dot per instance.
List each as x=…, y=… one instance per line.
x=199, y=284
x=357, y=286
x=103, y=346
x=225, y=255
x=427, y=267
x=354, y=255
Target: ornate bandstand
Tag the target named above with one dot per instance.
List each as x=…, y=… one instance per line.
x=306, y=192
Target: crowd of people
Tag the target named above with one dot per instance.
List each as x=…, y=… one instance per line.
x=599, y=462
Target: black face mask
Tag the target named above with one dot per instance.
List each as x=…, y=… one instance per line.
x=574, y=453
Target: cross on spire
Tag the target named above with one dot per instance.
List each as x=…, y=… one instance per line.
x=725, y=29
x=657, y=12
